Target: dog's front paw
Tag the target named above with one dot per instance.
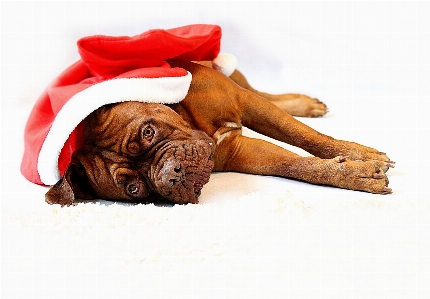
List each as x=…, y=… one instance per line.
x=366, y=176
x=358, y=152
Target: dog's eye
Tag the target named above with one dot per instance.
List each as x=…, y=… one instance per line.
x=133, y=189
x=148, y=132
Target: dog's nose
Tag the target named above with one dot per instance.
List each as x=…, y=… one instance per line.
x=172, y=172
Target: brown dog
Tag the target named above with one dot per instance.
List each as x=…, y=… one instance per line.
x=143, y=152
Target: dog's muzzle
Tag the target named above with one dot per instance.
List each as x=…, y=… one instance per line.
x=182, y=169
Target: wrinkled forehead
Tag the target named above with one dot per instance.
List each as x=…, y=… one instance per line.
x=132, y=110
x=116, y=118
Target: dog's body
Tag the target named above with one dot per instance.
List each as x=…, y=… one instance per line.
x=138, y=151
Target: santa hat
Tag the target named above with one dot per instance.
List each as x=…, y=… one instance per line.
x=112, y=70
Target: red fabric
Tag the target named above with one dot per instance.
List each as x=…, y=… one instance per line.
x=41, y=118
x=73, y=143
x=109, y=56
x=106, y=57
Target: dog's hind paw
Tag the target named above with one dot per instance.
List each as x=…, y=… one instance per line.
x=301, y=105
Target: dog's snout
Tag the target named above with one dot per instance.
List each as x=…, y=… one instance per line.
x=177, y=169
x=171, y=173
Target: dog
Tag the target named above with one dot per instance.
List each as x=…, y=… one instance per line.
x=144, y=152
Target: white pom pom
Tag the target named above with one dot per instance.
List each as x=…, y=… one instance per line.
x=225, y=63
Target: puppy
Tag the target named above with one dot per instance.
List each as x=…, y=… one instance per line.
x=146, y=152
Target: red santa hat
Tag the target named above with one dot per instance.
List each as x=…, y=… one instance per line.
x=111, y=70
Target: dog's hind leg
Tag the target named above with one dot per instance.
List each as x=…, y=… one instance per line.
x=248, y=155
x=294, y=104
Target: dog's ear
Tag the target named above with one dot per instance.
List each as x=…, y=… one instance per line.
x=74, y=184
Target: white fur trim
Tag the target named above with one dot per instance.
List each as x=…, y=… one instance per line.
x=165, y=90
x=225, y=63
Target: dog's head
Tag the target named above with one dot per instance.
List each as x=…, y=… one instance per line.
x=136, y=151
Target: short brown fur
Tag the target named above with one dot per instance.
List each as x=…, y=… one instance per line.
x=203, y=133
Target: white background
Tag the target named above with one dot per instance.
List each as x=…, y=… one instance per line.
x=368, y=61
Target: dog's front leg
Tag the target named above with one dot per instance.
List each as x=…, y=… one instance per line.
x=265, y=118
x=243, y=154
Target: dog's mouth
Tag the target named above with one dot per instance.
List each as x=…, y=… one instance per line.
x=182, y=170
